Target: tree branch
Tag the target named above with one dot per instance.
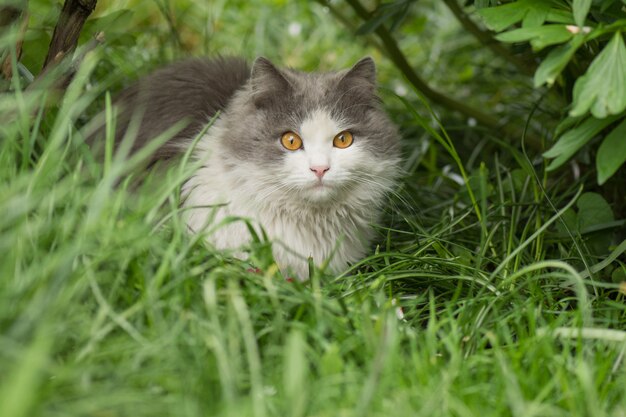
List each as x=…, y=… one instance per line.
x=67, y=30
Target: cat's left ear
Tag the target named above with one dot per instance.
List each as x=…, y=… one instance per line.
x=268, y=82
x=363, y=73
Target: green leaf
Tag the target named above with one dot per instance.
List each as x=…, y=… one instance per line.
x=556, y=61
x=501, y=17
x=602, y=90
x=593, y=210
x=539, y=37
x=566, y=124
x=569, y=222
x=594, y=214
x=611, y=153
x=559, y=16
x=531, y=13
x=581, y=9
x=535, y=17
x=479, y=4
x=574, y=139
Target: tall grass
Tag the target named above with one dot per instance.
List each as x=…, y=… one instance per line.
x=110, y=308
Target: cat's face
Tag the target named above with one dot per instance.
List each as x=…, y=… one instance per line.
x=314, y=138
x=330, y=161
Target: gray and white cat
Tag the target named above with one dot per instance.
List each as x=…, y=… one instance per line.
x=307, y=156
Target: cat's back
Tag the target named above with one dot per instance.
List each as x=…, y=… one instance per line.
x=191, y=91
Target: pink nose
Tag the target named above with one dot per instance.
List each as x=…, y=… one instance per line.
x=320, y=170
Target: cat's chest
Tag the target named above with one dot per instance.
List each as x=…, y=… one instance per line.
x=320, y=235
x=221, y=191
x=311, y=232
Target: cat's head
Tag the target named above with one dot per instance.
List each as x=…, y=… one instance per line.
x=313, y=138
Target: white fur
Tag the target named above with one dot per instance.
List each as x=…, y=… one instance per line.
x=302, y=218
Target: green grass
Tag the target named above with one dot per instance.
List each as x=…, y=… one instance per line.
x=109, y=308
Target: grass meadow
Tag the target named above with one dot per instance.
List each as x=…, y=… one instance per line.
x=108, y=307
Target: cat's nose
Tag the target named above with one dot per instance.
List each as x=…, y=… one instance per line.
x=320, y=170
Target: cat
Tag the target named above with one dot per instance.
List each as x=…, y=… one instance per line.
x=309, y=157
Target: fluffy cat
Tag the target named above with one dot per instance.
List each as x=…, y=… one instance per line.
x=308, y=157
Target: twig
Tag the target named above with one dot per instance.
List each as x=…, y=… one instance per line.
x=67, y=30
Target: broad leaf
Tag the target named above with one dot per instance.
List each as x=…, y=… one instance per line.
x=535, y=17
x=611, y=153
x=581, y=9
x=560, y=16
x=556, y=61
x=539, y=37
x=594, y=215
x=570, y=218
x=566, y=124
x=501, y=17
x=574, y=139
x=593, y=210
x=602, y=90
x=531, y=13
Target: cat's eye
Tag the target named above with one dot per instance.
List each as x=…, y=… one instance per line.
x=291, y=141
x=343, y=140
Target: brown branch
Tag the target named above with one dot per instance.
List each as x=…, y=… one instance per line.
x=67, y=30
x=487, y=39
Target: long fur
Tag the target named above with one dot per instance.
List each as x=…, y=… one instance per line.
x=246, y=172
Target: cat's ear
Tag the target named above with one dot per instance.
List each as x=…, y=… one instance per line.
x=268, y=82
x=360, y=79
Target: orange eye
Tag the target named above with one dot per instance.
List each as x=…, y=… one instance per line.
x=291, y=141
x=343, y=140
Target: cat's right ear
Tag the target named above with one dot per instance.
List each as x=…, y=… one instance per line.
x=268, y=82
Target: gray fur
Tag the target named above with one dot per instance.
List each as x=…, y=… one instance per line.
x=190, y=92
x=264, y=103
